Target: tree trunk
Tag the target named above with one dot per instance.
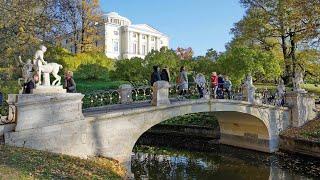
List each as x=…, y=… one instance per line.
x=286, y=76
x=293, y=54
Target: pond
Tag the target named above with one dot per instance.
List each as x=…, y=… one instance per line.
x=220, y=162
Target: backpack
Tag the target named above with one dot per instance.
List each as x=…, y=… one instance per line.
x=178, y=80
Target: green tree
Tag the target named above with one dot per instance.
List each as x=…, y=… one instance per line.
x=163, y=58
x=239, y=62
x=280, y=24
x=132, y=70
x=212, y=54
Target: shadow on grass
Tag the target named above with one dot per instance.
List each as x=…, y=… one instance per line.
x=26, y=163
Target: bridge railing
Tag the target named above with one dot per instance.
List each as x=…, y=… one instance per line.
x=144, y=94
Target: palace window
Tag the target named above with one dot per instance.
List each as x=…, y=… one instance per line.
x=143, y=49
x=116, y=33
x=144, y=37
x=152, y=38
x=134, y=35
x=134, y=48
x=115, y=46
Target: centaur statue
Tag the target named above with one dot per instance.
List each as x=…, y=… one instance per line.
x=42, y=67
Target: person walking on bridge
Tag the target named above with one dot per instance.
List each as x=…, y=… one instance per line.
x=183, y=81
x=214, y=83
x=227, y=86
x=155, y=76
x=200, y=80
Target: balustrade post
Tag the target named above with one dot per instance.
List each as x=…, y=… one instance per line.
x=125, y=91
x=302, y=106
x=160, y=94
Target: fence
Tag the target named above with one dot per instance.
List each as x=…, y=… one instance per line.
x=144, y=94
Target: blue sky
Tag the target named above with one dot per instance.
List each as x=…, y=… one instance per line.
x=200, y=24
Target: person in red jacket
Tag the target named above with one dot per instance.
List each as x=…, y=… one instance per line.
x=214, y=83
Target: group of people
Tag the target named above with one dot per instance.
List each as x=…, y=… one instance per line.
x=69, y=83
x=220, y=85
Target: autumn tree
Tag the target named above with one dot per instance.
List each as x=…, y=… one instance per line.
x=279, y=24
x=83, y=20
x=24, y=25
x=184, y=53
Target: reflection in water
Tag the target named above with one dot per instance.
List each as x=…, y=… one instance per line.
x=226, y=163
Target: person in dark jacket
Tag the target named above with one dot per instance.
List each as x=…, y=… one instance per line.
x=220, y=92
x=155, y=76
x=69, y=83
x=30, y=84
x=165, y=75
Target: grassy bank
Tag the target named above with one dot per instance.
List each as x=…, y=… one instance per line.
x=310, y=131
x=311, y=88
x=20, y=163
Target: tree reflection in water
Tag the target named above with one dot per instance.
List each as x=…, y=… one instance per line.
x=175, y=164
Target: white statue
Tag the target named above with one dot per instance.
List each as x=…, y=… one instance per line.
x=38, y=61
x=298, y=81
x=45, y=68
x=27, y=69
x=249, y=90
x=281, y=90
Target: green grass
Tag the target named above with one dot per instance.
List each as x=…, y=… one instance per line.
x=198, y=119
x=311, y=88
x=314, y=134
x=90, y=86
x=20, y=163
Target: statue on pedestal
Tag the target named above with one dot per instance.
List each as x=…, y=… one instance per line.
x=45, y=69
x=297, y=82
x=39, y=72
x=249, y=90
x=281, y=91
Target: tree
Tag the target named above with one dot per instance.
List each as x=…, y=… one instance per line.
x=163, y=58
x=212, y=54
x=184, y=54
x=284, y=24
x=239, y=62
x=83, y=19
x=132, y=70
x=24, y=25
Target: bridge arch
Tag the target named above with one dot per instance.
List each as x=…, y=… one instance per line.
x=241, y=124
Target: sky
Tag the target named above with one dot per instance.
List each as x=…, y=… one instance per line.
x=199, y=24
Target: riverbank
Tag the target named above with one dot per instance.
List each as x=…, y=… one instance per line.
x=303, y=140
x=21, y=163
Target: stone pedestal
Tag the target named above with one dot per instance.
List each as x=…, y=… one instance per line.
x=41, y=110
x=48, y=90
x=46, y=79
x=125, y=91
x=302, y=105
x=160, y=93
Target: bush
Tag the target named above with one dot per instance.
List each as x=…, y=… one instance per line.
x=131, y=70
x=91, y=72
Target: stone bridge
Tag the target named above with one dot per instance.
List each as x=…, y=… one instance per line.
x=56, y=123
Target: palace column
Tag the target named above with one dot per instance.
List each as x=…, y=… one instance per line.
x=148, y=44
x=140, y=44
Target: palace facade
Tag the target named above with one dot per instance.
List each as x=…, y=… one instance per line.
x=123, y=40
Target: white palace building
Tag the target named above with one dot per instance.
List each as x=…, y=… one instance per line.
x=124, y=40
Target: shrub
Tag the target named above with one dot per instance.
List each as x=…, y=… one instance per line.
x=132, y=70
x=91, y=72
